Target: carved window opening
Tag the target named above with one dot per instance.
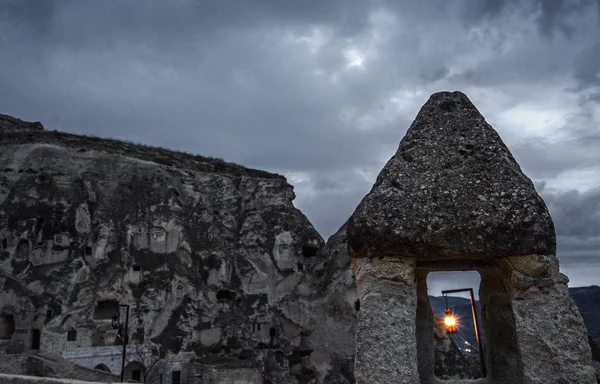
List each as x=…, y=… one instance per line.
x=102, y=367
x=136, y=374
x=496, y=319
x=134, y=371
x=176, y=377
x=22, y=250
x=88, y=251
x=310, y=250
x=225, y=295
x=136, y=268
x=140, y=335
x=179, y=292
x=49, y=314
x=298, y=359
x=105, y=310
x=72, y=335
x=7, y=327
x=280, y=358
x=35, y=339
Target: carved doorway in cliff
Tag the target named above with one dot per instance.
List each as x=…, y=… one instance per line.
x=502, y=357
x=35, y=339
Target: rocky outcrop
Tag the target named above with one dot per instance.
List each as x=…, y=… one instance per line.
x=47, y=365
x=217, y=266
x=9, y=123
x=452, y=190
x=453, y=198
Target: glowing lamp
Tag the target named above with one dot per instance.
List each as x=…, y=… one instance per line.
x=449, y=321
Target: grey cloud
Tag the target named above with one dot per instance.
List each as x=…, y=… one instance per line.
x=544, y=157
x=552, y=16
x=587, y=66
x=577, y=214
x=240, y=80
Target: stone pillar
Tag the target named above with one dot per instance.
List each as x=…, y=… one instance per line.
x=386, y=344
x=503, y=357
x=551, y=335
x=425, y=331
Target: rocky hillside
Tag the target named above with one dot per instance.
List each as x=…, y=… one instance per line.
x=212, y=257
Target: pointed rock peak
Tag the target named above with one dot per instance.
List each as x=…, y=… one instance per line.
x=452, y=191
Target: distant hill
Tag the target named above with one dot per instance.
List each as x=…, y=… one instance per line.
x=587, y=300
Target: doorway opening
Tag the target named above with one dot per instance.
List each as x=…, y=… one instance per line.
x=456, y=336
x=35, y=339
x=490, y=280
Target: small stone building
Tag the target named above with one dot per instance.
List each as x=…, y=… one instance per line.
x=453, y=198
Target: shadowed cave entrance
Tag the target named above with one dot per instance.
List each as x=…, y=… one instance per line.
x=497, y=324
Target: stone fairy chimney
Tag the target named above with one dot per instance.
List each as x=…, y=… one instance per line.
x=453, y=198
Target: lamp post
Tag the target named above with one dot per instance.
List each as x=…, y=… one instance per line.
x=450, y=322
x=116, y=325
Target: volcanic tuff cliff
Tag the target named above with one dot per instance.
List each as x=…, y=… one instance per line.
x=212, y=257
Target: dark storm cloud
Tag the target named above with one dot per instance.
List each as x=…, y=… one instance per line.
x=551, y=16
x=577, y=219
x=321, y=91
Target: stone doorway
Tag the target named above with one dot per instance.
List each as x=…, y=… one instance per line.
x=497, y=322
x=35, y=339
x=453, y=198
x=457, y=351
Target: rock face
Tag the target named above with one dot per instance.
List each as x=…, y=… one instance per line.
x=453, y=198
x=217, y=266
x=452, y=190
x=9, y=123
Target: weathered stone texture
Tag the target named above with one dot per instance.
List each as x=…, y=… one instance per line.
x=9, y=123
x=212, y=258
x=550, y=331
x=386, y=330
x=452, y=190
x=454, y=198
x=51, y=366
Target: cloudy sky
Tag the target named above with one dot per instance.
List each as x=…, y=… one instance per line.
x=322, y=91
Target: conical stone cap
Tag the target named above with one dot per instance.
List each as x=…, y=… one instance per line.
x=452, y=191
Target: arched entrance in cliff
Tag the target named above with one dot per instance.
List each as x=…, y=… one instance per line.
x=134, y=371
x=103, y=367
x=7, y=326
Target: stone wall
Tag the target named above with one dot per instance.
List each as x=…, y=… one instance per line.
x=453, y=198
x=21, y=379
x=51, y=366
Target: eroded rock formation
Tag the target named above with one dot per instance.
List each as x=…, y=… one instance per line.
x=217, y=265
x=454, y=198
